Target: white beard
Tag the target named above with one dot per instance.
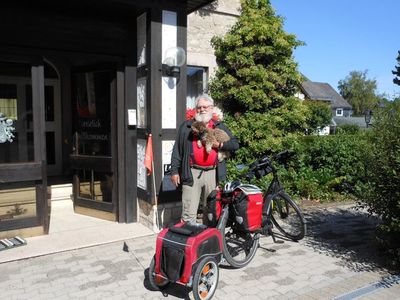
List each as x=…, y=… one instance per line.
x=203, y=117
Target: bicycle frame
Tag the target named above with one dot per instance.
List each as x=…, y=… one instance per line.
x=273, y=190
x=240, y=244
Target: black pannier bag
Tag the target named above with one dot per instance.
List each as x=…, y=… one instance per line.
x=214, y=208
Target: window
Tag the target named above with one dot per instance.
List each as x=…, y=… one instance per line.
x=339, y=112
x=196, y=84
x=8, y=101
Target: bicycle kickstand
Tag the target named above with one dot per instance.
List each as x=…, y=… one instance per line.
x=274, y=238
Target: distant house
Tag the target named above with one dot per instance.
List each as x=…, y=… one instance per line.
x=320, y=91
x=359, y=121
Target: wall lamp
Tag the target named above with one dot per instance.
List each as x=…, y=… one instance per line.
x=174, y=59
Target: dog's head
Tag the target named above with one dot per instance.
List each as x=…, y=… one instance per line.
x=199, y=128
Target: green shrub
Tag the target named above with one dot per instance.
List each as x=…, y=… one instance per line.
x=381, y=191
x=347, y=129
x=326, y=167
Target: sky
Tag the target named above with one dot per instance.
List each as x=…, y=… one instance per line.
x=343, y=36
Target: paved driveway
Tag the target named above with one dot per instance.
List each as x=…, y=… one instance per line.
x=338, y=259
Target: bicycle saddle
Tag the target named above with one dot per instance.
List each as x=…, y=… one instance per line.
x=231, y=186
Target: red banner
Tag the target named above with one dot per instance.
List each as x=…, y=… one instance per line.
x=148, y=158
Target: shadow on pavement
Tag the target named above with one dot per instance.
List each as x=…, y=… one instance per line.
x=347, y=233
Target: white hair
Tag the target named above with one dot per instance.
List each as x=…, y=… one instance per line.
x=205, y=97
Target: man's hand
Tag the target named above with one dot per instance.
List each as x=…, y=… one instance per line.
x=176, y=180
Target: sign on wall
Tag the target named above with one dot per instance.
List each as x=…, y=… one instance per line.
x=167, y=147
x=141, y=103
x=141, y=170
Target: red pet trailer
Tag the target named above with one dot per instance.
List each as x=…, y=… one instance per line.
x=188, y=254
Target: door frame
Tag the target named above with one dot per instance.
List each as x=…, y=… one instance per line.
x=36, y=169
x=50, y=126
x=103, y=210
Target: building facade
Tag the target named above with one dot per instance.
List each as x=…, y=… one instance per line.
x=81, y=88
x=211, y=20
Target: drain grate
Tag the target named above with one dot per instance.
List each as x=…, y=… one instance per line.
x=384, y=283
x=11, y=243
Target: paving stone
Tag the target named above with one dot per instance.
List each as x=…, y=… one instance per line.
x=317, y=267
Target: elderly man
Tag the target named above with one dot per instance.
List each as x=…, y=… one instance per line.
x=192, y=166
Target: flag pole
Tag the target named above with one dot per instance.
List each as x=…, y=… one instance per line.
x=155, y=198
x=149, y=164
x=155, y=194
x=154, y=184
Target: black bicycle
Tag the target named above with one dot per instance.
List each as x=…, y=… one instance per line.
x=279, y=211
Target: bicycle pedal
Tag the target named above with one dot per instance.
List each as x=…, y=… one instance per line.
x=265, y=231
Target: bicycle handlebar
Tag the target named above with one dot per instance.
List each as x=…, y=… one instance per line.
x=264, y=165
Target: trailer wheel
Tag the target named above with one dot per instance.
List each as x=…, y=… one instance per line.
x=205, y=279
x=156, y=282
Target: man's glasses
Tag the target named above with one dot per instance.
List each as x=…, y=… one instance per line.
x=204, y=107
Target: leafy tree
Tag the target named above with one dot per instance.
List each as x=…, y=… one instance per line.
x=319, y=115
x=359, y=91
x=257, y=78
x=396, y=72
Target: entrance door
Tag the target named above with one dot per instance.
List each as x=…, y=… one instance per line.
x=52, y=114
x=94, y=153
x=24, y=204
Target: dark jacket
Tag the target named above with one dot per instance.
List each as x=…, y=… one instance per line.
x=183, y=147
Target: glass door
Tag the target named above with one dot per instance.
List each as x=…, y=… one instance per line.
x=24, y=204
x=93, y=157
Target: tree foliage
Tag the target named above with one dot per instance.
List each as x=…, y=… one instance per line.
x=326, y=168
x=359, y=91
x=396, y=72
x=257, y=78
x=319, y=115
x=381, y=193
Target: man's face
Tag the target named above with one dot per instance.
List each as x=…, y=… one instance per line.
x=203, y=106
x=203, y=111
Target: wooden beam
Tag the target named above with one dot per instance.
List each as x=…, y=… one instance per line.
x=20, y=172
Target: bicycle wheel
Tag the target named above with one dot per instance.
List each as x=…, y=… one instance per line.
x=205, y=279
x=239, y=247
x=287, y=217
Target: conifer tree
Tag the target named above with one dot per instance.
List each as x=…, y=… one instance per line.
x=396, y=72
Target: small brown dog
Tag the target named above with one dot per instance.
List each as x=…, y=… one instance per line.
x=208, y=135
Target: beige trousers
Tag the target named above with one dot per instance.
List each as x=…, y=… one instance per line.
x=203, y=181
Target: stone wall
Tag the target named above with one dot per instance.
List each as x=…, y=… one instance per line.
x=160, y=216
x=203, y=24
